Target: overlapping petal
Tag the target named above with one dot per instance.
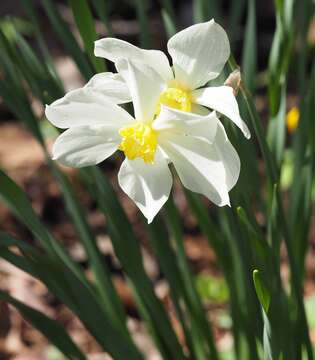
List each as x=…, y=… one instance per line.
x=145, y=86
x=86, y=145
x=199, y=53
x=110, y=85
x=85, y=107
x=148, y=185
x=200, y=166
x=221, y=99
x=195, y=142
x=172, y=121
x=114, y=49
x=228, y=156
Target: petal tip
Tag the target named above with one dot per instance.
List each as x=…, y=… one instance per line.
x=246, y=132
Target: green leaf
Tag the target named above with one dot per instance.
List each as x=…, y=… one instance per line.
x=105, y=288
x=142, y=7
x=169, y=25
x=102, y=276
x=162, y=247
x=205, y=10
x=277, y=129
x=127, y=249
x=85, y=23
x=249, y=54
x=310, y=310
x=212, y=288
x=169, y=18
x=53, y=331
x=193, y=301
x=34, y=17
x=42, y=82
x=65, y=35
x=102, y=8
x=79, y=297
x=268, y=355
x=262, y=292
x=256, y=238
x=235, y=17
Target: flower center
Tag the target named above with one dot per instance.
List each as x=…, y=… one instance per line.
x=175, y=98
x=138, y=140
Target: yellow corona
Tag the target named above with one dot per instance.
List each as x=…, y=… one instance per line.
x=138, y=140
x=175, y=98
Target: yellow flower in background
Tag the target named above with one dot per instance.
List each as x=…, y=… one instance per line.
x=292, y=120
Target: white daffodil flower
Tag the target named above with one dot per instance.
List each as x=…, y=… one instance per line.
x=199, y=54
x=198, y=147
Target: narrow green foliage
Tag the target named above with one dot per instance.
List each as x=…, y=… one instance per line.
x=261, y=290
x=33, y=16
x=205, y=10
x=169, y=18
x=102, y=8
x=235, y=16
x=53, y=331
x=65, y=35
x=128, y=252
x=77, y=296
x=169, y=24
x=249, y=57
x=86, y=26
x=142, y=7
x=193, y=301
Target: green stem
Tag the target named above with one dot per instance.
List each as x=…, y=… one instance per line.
x=193, y=299
x=273, y=177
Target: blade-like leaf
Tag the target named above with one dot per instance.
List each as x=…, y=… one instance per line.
x=85, y=23
x=65, y=35
x=53, y=331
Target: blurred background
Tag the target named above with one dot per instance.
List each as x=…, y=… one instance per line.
x=22, y=158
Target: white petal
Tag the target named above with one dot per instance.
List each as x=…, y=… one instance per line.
x=148, y=185
x=84, y=107
x=113, y=49
x=199, y=166
x=228, y=156
x=110, y=85
x=221, y=99
x=199, y=53
x=86, y=145
x=145, y=86
x=199, y=109
x=184, y=123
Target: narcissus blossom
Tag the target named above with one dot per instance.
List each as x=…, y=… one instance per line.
x=198, y=54
x=196, y=145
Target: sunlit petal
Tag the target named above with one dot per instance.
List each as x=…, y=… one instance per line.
x=86, y=145
x=200, y=167
x=85, y=107
x=145, y=86
x=199, y=53
x=113, y=49
x=178, y=122
x=221, y=99
x=148, y=185
x=110, y=85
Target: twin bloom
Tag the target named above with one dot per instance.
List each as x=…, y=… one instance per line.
x=175, y=118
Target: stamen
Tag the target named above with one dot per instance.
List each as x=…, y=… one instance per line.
x=138, y=140
x=175, y=98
